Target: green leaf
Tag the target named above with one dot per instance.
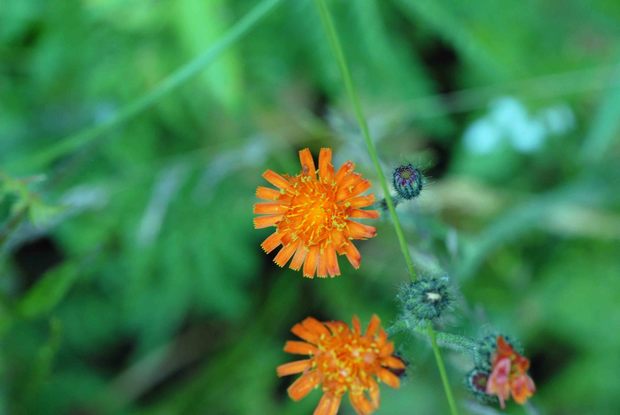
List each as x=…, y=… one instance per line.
x=201, y=23
x=605, y=126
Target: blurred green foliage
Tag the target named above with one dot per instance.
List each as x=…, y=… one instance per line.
x=131, y=280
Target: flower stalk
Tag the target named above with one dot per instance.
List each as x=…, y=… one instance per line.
x=332, y=35
x=334, y=40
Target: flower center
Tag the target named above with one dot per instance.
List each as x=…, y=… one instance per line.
x=313, y=212
x=347, y=369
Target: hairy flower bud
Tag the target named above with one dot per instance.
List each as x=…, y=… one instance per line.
x=425, y=299
x=476, y=381
x=408, y=181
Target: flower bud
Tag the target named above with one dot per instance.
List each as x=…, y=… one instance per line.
x=476, y=381
x=408, y=181
x=500, y=372
x=425, y=299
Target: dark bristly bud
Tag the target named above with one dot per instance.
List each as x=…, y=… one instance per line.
x=408, y=181
x=425, y=299
x=476, y=381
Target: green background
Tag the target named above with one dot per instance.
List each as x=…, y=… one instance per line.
x=131, y=278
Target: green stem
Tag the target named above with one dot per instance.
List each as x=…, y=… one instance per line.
x=165, y=87
x=446, y=340
x=357, y=107
x=442, y=370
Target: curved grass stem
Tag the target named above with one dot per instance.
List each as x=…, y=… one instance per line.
x=165, y=87
x=334, y=41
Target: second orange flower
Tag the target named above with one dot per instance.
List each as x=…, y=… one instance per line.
x=312, y=215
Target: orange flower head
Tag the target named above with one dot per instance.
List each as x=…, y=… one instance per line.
x=340, y=360
x=509, y=375
x=312, y=215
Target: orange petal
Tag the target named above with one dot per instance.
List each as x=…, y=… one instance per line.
x=344, y=171
x=522, y=388
x=307, y=163
x=297, y=347
x=373, y=326
x=361, y=187
x=269, y=208
x=357, y=327
x=349, y=181
x=331, y=260
x=353, y=255
x=360, y=231
x=305, y=334
x=337, y=327
x=338, y=241
x=267, y=193
x=364, y=214
x=266, y=221
x=285, y=254
x=360, y=201
x=394, y=363
x=521, y=363
x=272, y=242
x=356, y=187
x=321, y=269
x=303, y=385
x=328, y=405
x=294, y=367
x=361, y=405
x=315, y=326
x=299, y=257
x=326, y=169
x=277, y=180
x=382, y=336
x=498, y=383
x=388, y=378
x=387, y=349
x=374, y=392
x=503, y=348
x=311, y=262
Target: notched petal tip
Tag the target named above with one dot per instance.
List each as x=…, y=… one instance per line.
x=388, y=378
x=360, y=231
x=328, y=405
x=272, y=242
x=364, y=214
x=353, y=255
x=298, y=347
x=261, y=222
x=285, y=254
x=277, y=180
x=267, y=193
x=303, y=385
x=307, y=163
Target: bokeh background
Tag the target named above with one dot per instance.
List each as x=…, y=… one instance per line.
x=132, y=281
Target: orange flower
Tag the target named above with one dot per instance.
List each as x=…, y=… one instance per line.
x=341, y=360
x=509, y=375
x=313, y=215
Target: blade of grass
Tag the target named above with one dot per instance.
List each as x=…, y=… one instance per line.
x=334, y=40
x=605, y=125
x=165, y=87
